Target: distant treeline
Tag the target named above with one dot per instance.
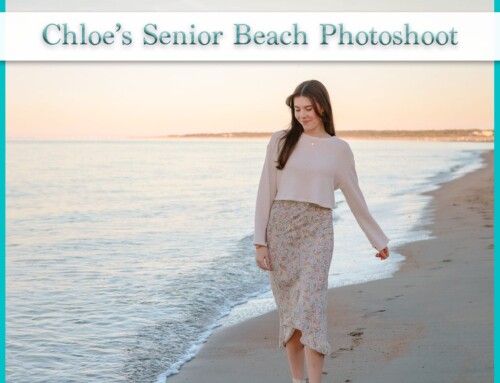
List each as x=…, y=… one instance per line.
x=425, y=135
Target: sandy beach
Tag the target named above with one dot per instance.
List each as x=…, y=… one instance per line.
x=432, y=322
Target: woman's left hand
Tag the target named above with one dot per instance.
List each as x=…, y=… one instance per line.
x=383, y=254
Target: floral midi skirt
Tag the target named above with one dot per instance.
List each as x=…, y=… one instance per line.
x=300, y=245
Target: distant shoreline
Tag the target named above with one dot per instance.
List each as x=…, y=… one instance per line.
x=464, y=135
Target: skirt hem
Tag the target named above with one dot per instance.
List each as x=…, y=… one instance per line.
x=304, y=340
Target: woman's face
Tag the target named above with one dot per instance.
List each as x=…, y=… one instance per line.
x=305, y=114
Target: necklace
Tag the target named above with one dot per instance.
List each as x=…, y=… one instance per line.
x=313, y=139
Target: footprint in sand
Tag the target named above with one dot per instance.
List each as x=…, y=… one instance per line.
x=435, y=268
x=357, y=335
x=394, y=297
x=370, y=314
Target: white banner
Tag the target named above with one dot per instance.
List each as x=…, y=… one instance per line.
x=249, y=36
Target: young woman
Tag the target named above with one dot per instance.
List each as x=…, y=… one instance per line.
x=304, y=165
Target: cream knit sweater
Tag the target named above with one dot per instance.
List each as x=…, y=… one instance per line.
x=316, y=168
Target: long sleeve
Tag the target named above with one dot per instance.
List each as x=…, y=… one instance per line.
x=266, y=193
x=354, y=198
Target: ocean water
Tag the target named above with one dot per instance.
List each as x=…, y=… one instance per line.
x=122, y=257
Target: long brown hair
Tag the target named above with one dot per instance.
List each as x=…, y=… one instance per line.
x=316, y=92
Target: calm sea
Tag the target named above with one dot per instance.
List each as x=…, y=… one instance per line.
x=122, y=257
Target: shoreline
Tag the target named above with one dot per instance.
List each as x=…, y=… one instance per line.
x=432, y=321
x=353, y=138
x=451, y=135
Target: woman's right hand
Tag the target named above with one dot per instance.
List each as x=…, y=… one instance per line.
x=262, y=258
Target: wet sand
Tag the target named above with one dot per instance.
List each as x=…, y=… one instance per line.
x=432, y=322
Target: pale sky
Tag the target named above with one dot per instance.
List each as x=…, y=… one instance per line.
x=56, y=100
x=116, y=100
